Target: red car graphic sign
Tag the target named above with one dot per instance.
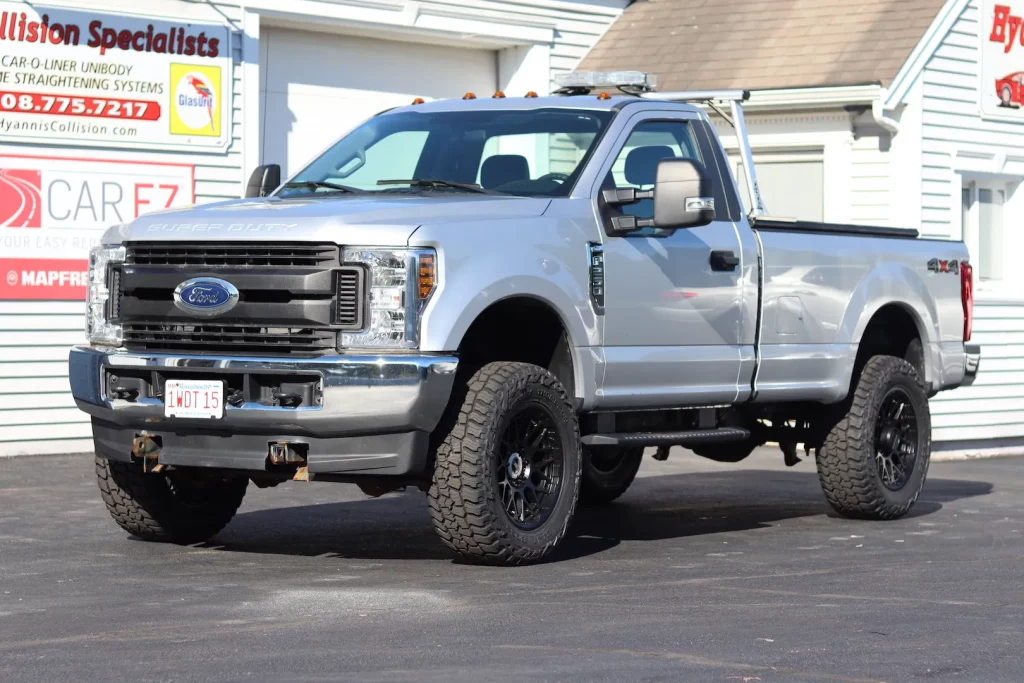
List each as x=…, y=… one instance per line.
x=1010, y=90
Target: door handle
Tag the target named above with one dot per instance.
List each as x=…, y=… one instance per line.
x=724, y=260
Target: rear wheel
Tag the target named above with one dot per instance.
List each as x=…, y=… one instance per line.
x=608, y=472
x=507, y=474
x=874, y=462
x=178, y=506
x=1006, y=96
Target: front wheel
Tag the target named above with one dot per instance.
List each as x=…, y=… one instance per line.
x=507, y=475
x=178, y=506
x=874, y=461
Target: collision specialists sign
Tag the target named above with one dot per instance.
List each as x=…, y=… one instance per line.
x=1002, y=59
x=92, y=79
x=54, y=209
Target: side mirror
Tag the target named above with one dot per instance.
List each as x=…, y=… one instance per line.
x=683, y=197
x=264, y=180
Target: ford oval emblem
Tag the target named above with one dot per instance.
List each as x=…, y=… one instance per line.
x=205, y=296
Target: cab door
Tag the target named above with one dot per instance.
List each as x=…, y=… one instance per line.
x=672, y=298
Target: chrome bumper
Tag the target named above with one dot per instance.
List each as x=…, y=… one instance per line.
x=359, y=395
x=972, y=355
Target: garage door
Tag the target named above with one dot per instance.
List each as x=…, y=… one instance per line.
x=317, y=86
x=792, y=184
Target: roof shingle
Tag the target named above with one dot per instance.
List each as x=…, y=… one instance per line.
x=763, y=44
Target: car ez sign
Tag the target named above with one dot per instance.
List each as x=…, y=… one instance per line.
x=112, y=80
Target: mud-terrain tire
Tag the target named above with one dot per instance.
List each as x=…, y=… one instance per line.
x=171, y=507
x=485, y=458
x=607, y=473
x=865, y=466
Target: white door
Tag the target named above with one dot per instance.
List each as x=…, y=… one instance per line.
x=792, y=184
x=317, y=86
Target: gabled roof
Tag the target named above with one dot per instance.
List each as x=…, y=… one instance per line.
x=764, y=44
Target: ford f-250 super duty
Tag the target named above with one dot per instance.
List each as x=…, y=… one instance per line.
x=503, y=301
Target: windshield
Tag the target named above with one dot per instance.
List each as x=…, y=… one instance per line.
x=536, y=152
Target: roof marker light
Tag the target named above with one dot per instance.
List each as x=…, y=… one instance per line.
x=469, y=96
x=498, y=95
x=604, y=96
x=531, y=94
x=419, y=100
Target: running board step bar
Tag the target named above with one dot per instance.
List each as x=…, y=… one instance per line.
x=685, y=438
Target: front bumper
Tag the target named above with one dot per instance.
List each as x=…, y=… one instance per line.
x=972, y=361
x=364, y=414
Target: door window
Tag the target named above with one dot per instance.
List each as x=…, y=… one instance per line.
x=637, y=163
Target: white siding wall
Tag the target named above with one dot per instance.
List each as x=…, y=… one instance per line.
x=954, y=141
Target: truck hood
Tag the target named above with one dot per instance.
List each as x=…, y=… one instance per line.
x=381, y=220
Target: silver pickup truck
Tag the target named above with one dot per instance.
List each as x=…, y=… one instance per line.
x=503, y=301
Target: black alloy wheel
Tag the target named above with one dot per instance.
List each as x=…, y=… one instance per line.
x=896, y=439
x=530, y=465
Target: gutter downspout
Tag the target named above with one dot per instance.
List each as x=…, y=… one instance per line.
x=878, y=113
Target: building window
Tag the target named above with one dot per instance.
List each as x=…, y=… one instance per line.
x=983, y=227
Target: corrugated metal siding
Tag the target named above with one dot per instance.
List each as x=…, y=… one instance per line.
x=993, y=408
x=37, y=414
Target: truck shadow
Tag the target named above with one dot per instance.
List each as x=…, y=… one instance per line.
x=654, y=509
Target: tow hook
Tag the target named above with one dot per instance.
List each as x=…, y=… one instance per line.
x=147, y=449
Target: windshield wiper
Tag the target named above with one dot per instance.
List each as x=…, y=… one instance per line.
x=432, y=182
x=314, y=185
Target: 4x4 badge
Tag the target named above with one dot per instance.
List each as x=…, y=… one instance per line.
x=937, y=266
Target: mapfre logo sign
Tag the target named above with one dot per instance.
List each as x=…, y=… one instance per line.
x=54, y=209
x=21, y=200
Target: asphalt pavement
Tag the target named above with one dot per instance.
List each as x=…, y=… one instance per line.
x=703, y=572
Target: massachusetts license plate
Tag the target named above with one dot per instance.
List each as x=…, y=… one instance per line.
x=194, y=398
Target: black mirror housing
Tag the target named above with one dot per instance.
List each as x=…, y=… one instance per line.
x=264, y=180
x=683, y=196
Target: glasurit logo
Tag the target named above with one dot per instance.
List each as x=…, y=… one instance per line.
x=195, y=109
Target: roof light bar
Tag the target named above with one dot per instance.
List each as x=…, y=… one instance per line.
x=590, y=80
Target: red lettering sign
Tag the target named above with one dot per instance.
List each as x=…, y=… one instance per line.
x=1006, y=27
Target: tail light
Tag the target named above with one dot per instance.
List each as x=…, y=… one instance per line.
x=967, y=298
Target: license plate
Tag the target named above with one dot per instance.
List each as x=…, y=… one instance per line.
x=194, y=398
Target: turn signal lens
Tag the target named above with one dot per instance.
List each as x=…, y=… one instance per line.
x=469, y=96
x=427, y=275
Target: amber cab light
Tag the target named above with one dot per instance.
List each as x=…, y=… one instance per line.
x=469, y=96
x=418, y=100
x=604, y=96
x=427, y=275
x=531, y=94
x=498, y=95
x=967, y=297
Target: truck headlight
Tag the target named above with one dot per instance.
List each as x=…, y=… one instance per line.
x=399, y=285
x=98, y=328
